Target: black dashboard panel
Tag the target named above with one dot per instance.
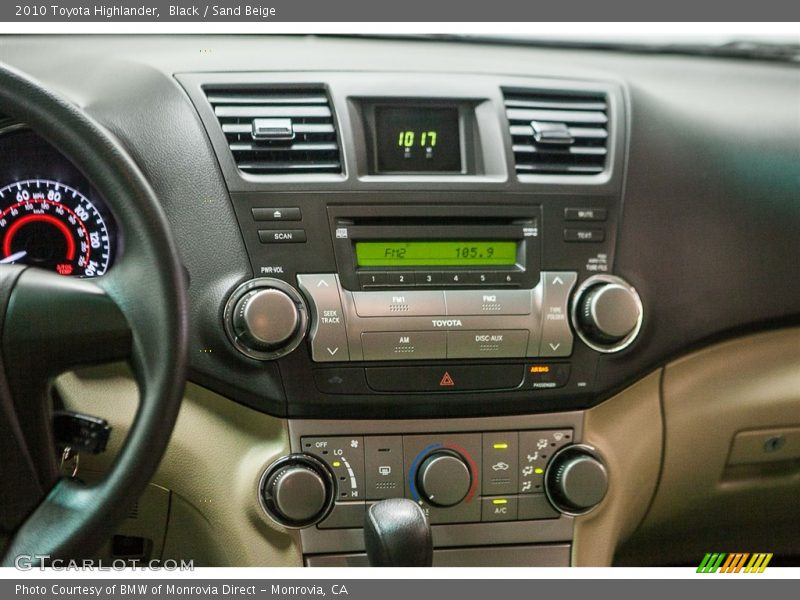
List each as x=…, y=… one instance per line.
x=700, y=196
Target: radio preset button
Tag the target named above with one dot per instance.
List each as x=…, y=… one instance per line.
x=400, y=278
x=487, y=344
x=495, y=302
x=504, y=277
x=429, y=278
x=459, y=278
x=400, y=303
x=328, y=333
x=373, y=278
x=407, y=345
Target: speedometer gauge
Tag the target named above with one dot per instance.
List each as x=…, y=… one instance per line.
x=50, y=225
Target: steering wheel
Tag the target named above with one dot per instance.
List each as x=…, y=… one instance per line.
x=50, y=323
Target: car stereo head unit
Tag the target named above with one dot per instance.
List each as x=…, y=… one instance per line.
x=436, y=247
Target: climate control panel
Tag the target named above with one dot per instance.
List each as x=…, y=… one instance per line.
x=474, y=477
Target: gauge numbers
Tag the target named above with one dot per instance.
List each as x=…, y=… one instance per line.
x=49, y=225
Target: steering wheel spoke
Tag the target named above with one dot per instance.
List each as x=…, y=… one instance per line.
x=54, y=323
x=50, y=323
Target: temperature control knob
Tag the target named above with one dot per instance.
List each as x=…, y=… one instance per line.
x=607, y=313
x=297, y=491
x=266, y=318
x=444, y=478
x=576, y=480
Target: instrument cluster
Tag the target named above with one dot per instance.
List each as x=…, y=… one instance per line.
x=50, y=215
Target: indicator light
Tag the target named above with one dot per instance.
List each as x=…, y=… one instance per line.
x=500, y=501
x=336, y=463
x=500, y=446
x=538, y=470
x=540, y=369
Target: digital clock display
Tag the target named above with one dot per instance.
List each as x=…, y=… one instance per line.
x=417, y=139
x=470, y=253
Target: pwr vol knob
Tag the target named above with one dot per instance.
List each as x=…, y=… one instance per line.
x=265, y=318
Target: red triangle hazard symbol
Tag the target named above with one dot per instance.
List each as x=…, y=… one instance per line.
x=447, y=380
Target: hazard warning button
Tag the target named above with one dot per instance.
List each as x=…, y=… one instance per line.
x=445, y=379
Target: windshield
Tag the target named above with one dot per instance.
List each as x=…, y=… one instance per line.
x=782, y=44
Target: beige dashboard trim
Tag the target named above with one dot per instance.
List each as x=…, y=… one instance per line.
x=217, y=452
x=703, y=504
x=627, y=431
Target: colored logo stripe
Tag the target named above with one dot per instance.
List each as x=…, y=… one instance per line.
x=734, y=562
x=758, y=563
x=711, y=563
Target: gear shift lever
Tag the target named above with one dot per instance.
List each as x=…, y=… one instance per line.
x=397, y=534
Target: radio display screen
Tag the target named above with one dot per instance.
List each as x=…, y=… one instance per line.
x=470, y=253
x=417, y=139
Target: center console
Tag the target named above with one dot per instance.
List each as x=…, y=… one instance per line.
x=434, y=287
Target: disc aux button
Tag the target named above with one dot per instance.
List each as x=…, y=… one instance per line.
x=500, y=343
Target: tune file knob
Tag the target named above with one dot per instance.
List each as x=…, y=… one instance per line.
x=607, y=313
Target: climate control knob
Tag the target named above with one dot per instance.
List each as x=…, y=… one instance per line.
x=297, y=491
x=576, y=480
x=443, y=478
x=607, y=313
x=266, y=318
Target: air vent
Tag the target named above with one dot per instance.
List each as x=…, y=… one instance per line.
x=556, y=133
x=273, y=131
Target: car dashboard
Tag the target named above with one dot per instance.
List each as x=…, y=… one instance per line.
x=548, y=294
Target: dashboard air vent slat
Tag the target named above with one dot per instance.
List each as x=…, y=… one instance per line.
x=273, y=131
x=558, y=133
